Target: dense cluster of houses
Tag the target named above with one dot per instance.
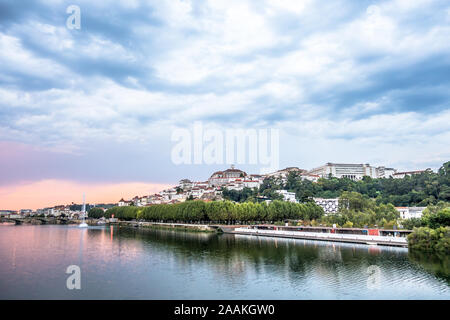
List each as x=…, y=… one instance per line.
x=59, y=211
x=231, y=179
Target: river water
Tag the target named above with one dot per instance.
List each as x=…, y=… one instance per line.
x=123, y=263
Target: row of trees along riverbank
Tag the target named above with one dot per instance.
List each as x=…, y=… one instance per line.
x=432, y=231
x=219, y=212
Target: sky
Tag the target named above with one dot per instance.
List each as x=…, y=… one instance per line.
x=94, y=110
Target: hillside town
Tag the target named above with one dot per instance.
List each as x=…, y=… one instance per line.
x=236, y=179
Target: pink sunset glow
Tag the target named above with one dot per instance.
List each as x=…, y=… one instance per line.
x=47, y=193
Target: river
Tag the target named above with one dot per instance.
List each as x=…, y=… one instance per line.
x=124, y=263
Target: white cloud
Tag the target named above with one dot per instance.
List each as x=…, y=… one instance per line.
x=231, y=63
x=290, y=6
x=15, y=58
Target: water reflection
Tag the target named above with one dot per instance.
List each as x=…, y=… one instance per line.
x=331, y=266
x=437, y=264
x=124, y=263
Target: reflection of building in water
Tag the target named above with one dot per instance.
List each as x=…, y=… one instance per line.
x=237, y=266
x=374, y=250
x=232, y=268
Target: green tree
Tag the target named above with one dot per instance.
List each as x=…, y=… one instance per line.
x=438, y=219
x=96, y=213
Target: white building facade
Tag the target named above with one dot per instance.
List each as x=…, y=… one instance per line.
x=287, y=196
x=329, y=206
x=410, y=212
x=354, y=171
x=220, y=178
x=401, y=175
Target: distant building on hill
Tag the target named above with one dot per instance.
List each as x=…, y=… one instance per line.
x=123, y=203
x=25, y=212
x=353, y=171
x=401, y=175
x=185, y=184
x=283, y=173
x=7, y=213
x=329, y=205
x=220, y=178
x=287, y=196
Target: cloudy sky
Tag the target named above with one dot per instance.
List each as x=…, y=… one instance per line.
x=93, y=109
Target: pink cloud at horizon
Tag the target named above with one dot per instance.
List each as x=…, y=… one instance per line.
x=48, y=193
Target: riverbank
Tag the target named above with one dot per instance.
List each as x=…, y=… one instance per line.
x=333, y=237
x=170, y=226
x=247, y=230
x=95, y=222
x=267, y=231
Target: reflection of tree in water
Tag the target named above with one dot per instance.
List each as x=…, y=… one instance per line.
x=233, y=257
x=438, y=265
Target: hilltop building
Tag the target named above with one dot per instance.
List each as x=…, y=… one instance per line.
x=283, y=173
x=123, y=203
x=401, y=175
x=383, y=172
x=220, y=178
x=302, y=173
x=185, y=184
x=352, y=171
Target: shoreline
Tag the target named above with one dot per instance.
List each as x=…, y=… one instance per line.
x=182, y=227
x=228, y=229
x=356, y=239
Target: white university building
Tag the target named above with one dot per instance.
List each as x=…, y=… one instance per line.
x=352, y=171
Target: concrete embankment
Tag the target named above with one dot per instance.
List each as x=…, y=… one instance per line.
x=173, y=226
x=351, y=238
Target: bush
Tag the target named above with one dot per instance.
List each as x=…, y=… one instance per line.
x=348, y=224
x=431, y=240
x=412, y=223
x=438, y=219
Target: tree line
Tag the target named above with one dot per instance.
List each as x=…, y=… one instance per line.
x=219, y=212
